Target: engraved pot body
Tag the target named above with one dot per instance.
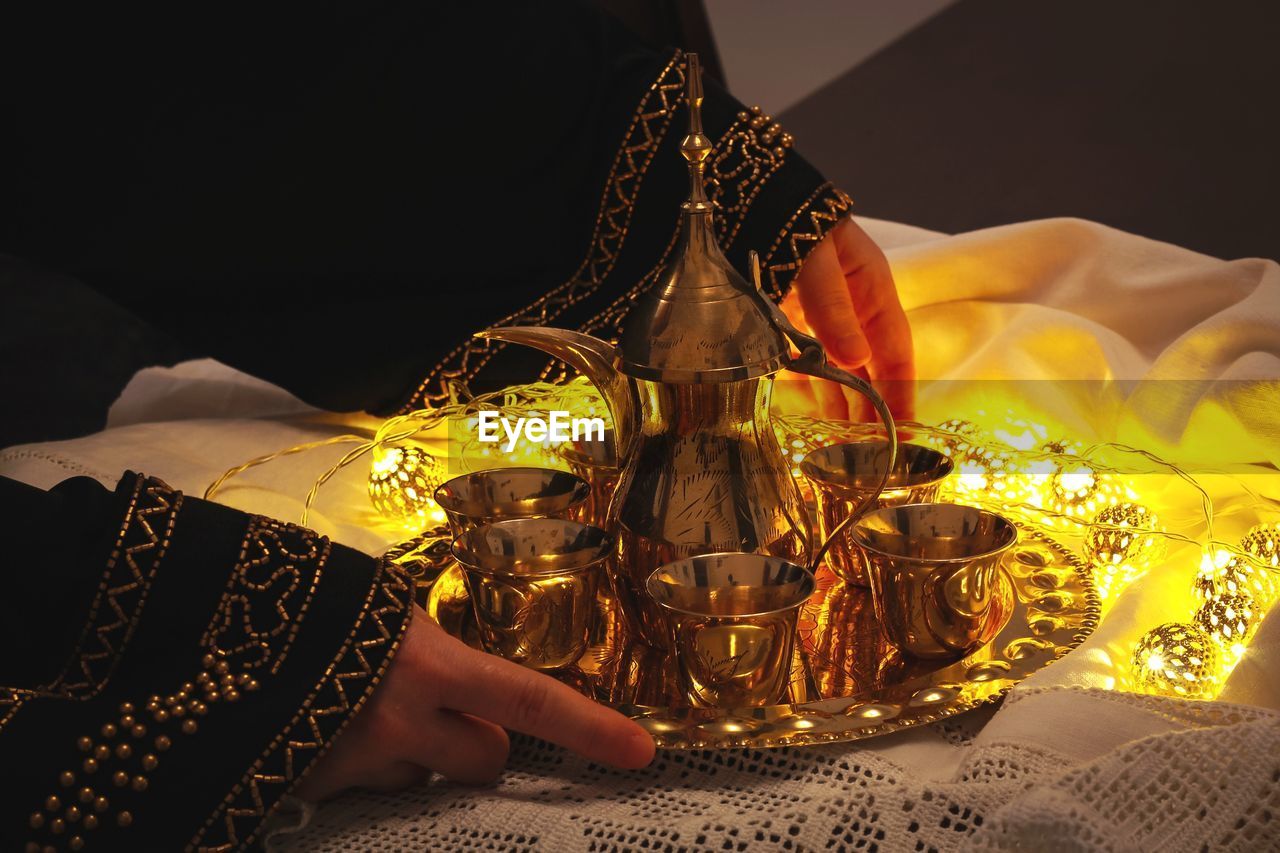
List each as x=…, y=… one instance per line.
x=705, y=475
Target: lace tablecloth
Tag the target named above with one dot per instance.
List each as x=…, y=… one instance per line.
x=1060, y=768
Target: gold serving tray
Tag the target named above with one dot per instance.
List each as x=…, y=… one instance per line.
x=847, y=682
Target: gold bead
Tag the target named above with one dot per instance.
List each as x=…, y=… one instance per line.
x=227, y=681
x=207, y=661
x=102, y=752
x=170, y=701
x=149, y=762
x=139, y=783
x=124, y=750
x=120, y=779
x=101, y=804
x=127, y=721
x=163, y=742
x=86, y=795
x=32, y=847
x=36, y=820
x=221, y=667
x=199, y=708
x=73, y=813
x=178, y=711
x=90, y=765
x=189, y=727
x=161, y=715
x=138, y=730
x=75, y=842
x=233, y=695
x=203, y=678
x=153, y=706
x=252, y=685
x=66, y=778
x=57, y=826
x=84, y=744
x=91, y=821
x=187, y=687
x=124, y=819
x=109, y=730
x=52, y=803
x=126, y=707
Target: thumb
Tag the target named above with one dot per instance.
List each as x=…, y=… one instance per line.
x=828, y=307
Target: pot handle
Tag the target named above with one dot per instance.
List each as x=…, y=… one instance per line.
x=812, y=361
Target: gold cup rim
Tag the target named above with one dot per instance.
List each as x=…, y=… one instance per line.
x=588, y=554
x=940, y=468
x=807, y=582
x=458, y=494
x=856, y=529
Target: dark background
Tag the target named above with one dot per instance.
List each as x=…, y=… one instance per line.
x=1158, y=118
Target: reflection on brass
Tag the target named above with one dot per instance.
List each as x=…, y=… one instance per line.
x=597, y=463
x=845, y=478
x=503, y=493
x=847, y=681
x=732, y=618
x=934, y=571
x=689, y=388
x=532, y=583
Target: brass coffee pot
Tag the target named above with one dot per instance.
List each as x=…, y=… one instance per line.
x=689, y=390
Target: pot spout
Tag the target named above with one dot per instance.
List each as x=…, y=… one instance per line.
x=593, y=358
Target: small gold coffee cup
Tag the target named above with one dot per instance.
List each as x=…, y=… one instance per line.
x=732, y=619
x=532, y=583
x=471, y=500
x=845, y=478
x=934, y=573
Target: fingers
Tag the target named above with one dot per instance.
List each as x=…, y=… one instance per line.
x=828, y=306
x=869, y=281
x=460, y=747
x=526, y=701
x=393, y=777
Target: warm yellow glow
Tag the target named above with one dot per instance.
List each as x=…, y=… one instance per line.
x=402, y=484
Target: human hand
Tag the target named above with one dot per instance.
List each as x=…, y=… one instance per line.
x=443, y=706
x=845, y=295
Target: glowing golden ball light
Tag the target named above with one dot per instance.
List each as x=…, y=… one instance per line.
x=402, y=483
x=1123, y=543
x=1224, y=573
x=1078, y=491
x=1263, y=541
x=1176, y=659
x=1228, y=619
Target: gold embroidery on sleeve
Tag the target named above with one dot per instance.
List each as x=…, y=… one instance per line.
x=333, y=701
x=267, y=594
x=122, y=591
x=649, y=124
x=819, y=213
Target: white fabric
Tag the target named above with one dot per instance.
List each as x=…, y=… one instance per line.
x=1067, y=762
